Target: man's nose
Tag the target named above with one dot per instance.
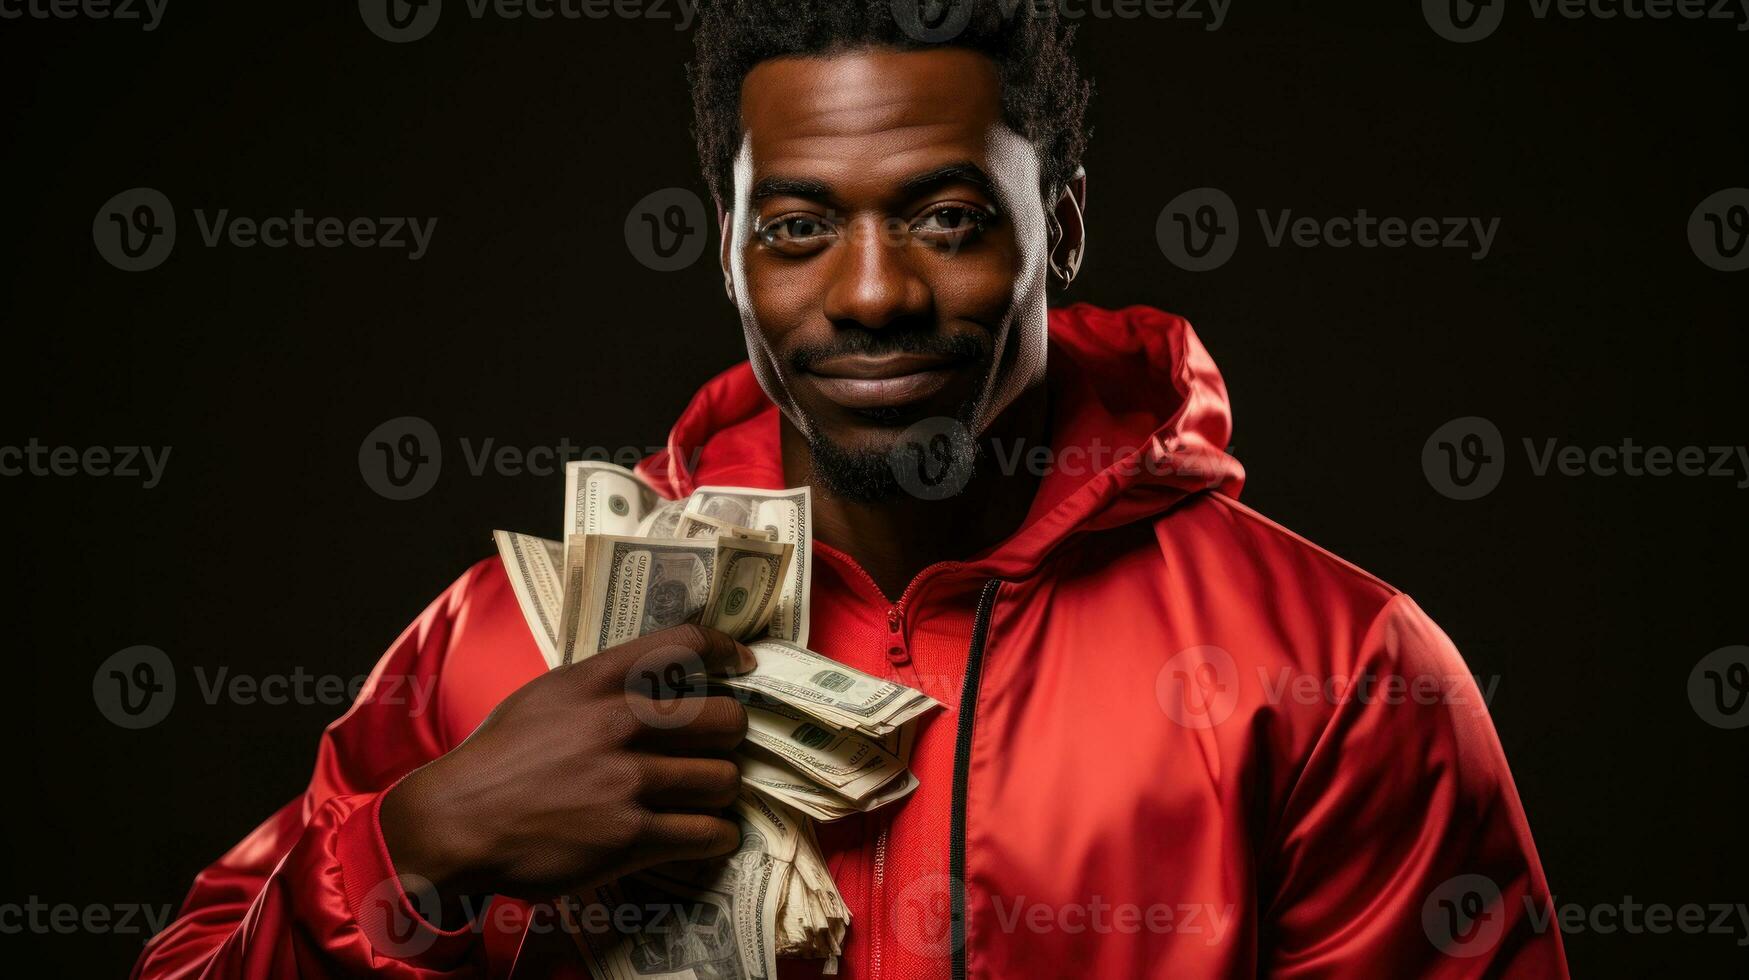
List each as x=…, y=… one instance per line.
x=874, y=282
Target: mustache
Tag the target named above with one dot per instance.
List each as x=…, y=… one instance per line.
x=879, y=343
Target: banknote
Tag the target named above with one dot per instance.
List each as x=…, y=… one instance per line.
x=775, y=779
x=620, y=587
x=841, y=696
x=788, y=514
x=844, y=762
x=536, y=569
x=746, y=581
x=729, y=918
x=700, y=526
x=601, y=498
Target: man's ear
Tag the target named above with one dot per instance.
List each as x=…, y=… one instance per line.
x=725, y=244
x=1068, y=229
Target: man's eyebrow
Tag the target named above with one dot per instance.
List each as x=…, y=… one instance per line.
x=962, y=172
x=770, y=187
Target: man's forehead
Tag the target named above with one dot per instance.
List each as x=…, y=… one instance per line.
x=871, y=114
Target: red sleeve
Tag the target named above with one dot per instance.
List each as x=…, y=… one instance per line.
x=311, y=892
x=1404, y=850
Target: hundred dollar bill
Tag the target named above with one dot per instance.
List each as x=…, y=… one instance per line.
x=746, y=580
x=700, y=526
x=777, y=780
x=788, y=514
x=536, y=569
x=663, y=521
x=601, y=498
x=841, y=696
x=846, y=763
x=704, y=920
x=618, y=588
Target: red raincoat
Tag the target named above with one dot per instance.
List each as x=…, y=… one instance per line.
x=1180, y=741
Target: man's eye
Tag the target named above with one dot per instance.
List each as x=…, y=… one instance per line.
x=794, y=229
x=950, y=223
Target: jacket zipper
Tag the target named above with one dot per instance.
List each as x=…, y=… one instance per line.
x=962, y=752
x=880, y=892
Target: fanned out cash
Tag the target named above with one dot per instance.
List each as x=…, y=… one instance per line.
x=823, y=740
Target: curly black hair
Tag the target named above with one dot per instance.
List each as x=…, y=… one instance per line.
x=1044, y=96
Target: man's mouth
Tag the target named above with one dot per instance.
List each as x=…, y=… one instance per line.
x=857, y=381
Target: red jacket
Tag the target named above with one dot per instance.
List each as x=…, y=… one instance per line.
x=1180, y=741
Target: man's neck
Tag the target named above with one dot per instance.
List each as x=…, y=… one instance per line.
x=895, y=539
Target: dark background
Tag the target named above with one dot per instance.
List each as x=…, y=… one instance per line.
x=1589, y=598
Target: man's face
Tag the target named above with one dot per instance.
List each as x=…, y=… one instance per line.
x=887, y=250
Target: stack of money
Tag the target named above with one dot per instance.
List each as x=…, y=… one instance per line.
x=823, y=740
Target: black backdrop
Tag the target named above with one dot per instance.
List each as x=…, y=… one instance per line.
x=1589, y=600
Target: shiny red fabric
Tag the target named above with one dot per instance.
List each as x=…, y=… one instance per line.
x=1174, y=766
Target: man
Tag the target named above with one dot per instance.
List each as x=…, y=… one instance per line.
x=1028, y=514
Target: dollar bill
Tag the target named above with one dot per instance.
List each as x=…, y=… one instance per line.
x=746, y=581
x=787, y=513
x=700, y=526
x=536, y=569
x=706, y=920
x=829, y=691
x=601, y=498
x=785, y=784
x=844, y=762
x=619, y=587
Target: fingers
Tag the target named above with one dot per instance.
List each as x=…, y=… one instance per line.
x=690, y=784
x=704, y=726
x=690, y=836
x=672, y=654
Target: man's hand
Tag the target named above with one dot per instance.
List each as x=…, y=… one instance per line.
x=584, y=774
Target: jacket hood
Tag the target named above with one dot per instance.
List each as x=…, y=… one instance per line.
x=1139, y=420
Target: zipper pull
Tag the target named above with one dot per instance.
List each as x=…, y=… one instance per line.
x=896, y=651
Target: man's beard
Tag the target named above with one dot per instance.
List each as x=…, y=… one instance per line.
x=871, y=474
